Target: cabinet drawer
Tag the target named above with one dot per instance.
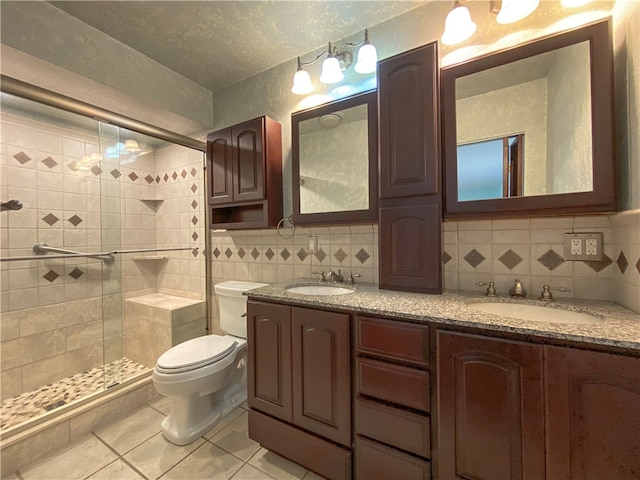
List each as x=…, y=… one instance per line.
x=374, y=461
x=402, y=385
x=392, y=426
x=393, y=339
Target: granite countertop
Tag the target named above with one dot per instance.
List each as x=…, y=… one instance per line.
x=617, y=326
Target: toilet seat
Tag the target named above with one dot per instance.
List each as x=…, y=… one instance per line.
x=196, y=353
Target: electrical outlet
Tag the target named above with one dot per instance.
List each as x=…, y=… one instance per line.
x=587, y=246
x=312, y=244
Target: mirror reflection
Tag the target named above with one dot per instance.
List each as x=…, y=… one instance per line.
x=524, y=128
x=334, y=161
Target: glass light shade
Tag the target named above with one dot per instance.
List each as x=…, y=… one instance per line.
x=130, y=145
x=367, y=59
x=331, y=72
x=458, y=26
x=573, y=3
x=302, y=83
x=514, y=10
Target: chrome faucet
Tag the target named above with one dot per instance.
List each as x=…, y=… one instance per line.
x=518, y=290
x=335, y=277
x=546, y=292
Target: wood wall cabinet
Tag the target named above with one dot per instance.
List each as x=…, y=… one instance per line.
x=392, y=400
x=410, y=191
x=299, y=376
x=244, y=175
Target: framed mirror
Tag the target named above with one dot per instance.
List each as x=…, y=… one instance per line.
x=335, y=162
x=529, y=130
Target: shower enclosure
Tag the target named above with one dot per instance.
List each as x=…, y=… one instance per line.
x=102, y=232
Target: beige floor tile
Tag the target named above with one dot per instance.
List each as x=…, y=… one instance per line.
x=117, y=470
x=231, y=416
x=251, y=473
x=277, y=466
x=76, y=462
x=207, y=462
x=234, y=438
x=132, y=430
x=156, y=456
x=163, y=405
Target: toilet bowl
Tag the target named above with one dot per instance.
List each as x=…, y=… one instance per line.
x=206, y=377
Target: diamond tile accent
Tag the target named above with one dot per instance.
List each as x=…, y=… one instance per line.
x=216, y=252
x=446, y=258
x=362, y=255
x=183, y=174
x=49, y=162
x=174, y=175
x=149, y=179
x=96, y=170
x=50, y=276
x=194, y=252
x=321, y=255
x=551, y=260
x=622, y=262
x=194, y=236
x=340, y=255
x=194, y=220
x=241, y=253
x=133, y=176
x=22, y=157
x=601, y=264
x=194, y=187
x=166, y=177
x=269, y=253
x=50, y=219
x=510, y=259
x=302, y=254
x=194, y=204
x=474, y=258
x=285, y=254
x=115, y=173
x=194, y=172
x=255, y=253
x=76, y=273
x=228, y=252
x=75, y=220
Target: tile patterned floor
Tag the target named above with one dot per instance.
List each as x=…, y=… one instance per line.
x=25, y=406
x=134, y=449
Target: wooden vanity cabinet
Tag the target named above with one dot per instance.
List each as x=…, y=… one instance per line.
x=299, y=385
x=392, y=399
x=244, y=174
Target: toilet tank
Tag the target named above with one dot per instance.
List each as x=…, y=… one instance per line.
x=233, y=306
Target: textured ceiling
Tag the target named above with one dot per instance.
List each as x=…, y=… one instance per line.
x=218, y=43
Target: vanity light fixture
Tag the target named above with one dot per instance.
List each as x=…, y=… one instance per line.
x=337, y=60
x=458, y=26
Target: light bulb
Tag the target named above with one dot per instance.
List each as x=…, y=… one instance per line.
x=302, y=83
x=367, y=59
x=458, y=26
x=331, y=72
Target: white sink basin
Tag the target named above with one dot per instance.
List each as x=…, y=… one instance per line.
x=319, y=290
x=534, y=313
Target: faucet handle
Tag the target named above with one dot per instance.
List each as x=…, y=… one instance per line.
x=546, y=292
x=491, y=289
x=322, y=276
x=352, y=278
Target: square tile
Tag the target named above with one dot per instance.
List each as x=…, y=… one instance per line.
x=116, y=470
x=156, y=456
x=208, y=461
x=277, y=466
x=132, y=430
x=234, y=438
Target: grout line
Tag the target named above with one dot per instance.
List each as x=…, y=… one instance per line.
x=121, y=457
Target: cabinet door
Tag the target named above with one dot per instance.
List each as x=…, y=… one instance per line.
x=269, y=359
x=409, y=132
x=322, y=373
x=220, y=167
x=248, y=160
x=490, y=409
x=593, y=415
x=411, y=239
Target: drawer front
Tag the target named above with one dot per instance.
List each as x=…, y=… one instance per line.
x=377, y=462
x=401, y=385
x=393, y=339
x=398, y=428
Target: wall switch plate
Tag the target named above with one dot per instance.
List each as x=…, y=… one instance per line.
x=312, y=246
x=587, y=246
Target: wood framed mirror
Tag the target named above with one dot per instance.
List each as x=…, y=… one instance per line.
x=529, y=130
x=335, y=162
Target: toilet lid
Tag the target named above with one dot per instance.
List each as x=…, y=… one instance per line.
x=197, y=352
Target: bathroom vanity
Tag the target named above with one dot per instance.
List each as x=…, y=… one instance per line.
x=381, y=384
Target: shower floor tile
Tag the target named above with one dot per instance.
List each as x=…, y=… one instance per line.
x=27, y=405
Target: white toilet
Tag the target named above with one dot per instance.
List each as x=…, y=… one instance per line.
x=206, y=377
